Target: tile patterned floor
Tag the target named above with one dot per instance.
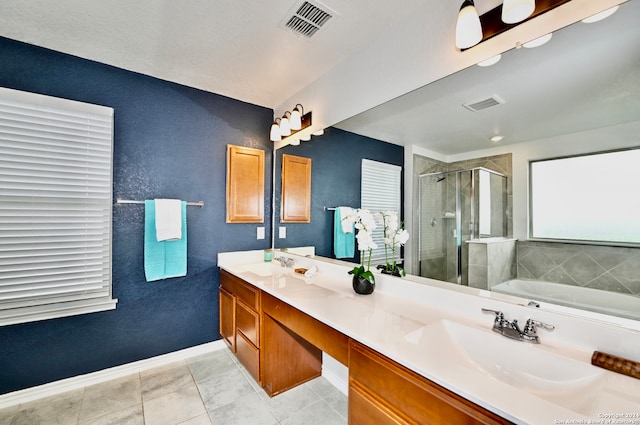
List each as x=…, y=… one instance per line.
x=212, y=389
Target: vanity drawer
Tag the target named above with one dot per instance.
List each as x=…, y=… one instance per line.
x=409, y=395
x=248, y=355
x=242, y=290
x=248, y=323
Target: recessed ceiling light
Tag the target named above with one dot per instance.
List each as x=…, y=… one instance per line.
x=496, y=139
x=600, y=16
x=491, y=61
x=538, y=41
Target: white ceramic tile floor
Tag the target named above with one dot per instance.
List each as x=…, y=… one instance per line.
x=212, y=389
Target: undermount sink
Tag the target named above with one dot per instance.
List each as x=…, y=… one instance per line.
x=262, y=269
x=561, y=380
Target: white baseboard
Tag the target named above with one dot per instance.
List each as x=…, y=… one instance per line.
x=80, y=381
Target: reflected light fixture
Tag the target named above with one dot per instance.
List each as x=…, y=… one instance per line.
x=514, y=11
x=496, y=138
x=468, y=28
x=491, y=61
x=295, y=121
x=275, y=135
x=600, y=16
x=319, y=132
x=306, y=138
x=538, y=41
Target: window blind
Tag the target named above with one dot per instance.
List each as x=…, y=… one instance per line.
x=380, y=191
x=55, y=207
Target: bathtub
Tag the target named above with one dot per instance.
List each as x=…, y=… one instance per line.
x=595, y=300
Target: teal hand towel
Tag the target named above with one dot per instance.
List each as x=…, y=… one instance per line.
x=163, y=259
x=343, y=243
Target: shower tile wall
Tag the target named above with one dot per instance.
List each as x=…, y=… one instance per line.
x=615, y=269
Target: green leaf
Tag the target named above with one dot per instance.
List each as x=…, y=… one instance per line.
x=369, y=276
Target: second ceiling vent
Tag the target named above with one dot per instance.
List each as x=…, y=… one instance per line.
x=308, y=18
x=489, y=102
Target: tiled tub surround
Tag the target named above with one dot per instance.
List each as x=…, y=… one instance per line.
x=391, y=319
x=615, y=269
x=491, y=261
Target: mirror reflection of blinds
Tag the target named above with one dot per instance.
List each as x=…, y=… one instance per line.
x=55, y=207
x=380, y=191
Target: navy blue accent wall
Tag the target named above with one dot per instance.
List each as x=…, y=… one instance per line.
x=169, y=141
x=336, y=159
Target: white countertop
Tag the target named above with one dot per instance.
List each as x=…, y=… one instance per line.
x=395, y=320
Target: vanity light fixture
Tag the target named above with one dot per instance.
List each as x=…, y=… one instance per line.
x=468, y=28
x=497, y=20
x=600, y=16
x=491, y=61
x=306, y=138
x=319, y=132
x=514, y=11
x=289, y=124
x=538, y=41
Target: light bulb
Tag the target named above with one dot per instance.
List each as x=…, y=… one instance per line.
x=275, y=135
x=600, y=16
x=517, y=10
x=295, y=120
x=468, y=28
x=285, y=129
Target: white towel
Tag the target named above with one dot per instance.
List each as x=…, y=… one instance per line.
x=168, y=219
x=347, y=226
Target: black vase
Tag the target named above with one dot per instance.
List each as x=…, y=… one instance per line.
x=362, y=286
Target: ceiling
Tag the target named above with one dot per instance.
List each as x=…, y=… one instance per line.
x=234, y=48
x=586, y=77
x=240, y=50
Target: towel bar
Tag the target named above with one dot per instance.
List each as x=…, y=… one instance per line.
x=126, y=201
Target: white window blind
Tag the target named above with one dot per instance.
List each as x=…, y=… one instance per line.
x=55, y=207
x=380, y=191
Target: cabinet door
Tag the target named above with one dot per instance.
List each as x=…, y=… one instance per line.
x=245, y=185
x=296, y=189
x=227, y=318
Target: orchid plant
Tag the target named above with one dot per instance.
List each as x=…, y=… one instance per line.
x=395, y=236
x=365, y=224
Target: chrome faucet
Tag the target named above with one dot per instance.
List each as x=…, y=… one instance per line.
x=512, y=330
x=285, y=262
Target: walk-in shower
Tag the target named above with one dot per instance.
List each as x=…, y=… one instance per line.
x=457, y=206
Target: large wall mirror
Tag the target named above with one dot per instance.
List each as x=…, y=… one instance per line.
x=577, y=94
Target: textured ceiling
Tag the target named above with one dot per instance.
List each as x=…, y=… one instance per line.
x=234, y=48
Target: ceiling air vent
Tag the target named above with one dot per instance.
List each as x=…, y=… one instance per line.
x=307, y=18
x=479, y=105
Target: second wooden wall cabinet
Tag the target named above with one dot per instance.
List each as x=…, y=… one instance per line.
x=245, y=185
x=296, y=189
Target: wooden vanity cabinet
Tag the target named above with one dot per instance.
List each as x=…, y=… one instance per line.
x=382, y=391
x=240, y=305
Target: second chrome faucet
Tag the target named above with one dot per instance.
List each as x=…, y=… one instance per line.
x=512, y=330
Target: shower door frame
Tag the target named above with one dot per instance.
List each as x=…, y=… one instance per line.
x=458, y=199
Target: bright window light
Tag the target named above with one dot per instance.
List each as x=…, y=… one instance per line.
x=586, y=198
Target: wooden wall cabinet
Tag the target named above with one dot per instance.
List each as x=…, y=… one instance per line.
x=296, y=189
x=240, y=306
x=245, y=185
